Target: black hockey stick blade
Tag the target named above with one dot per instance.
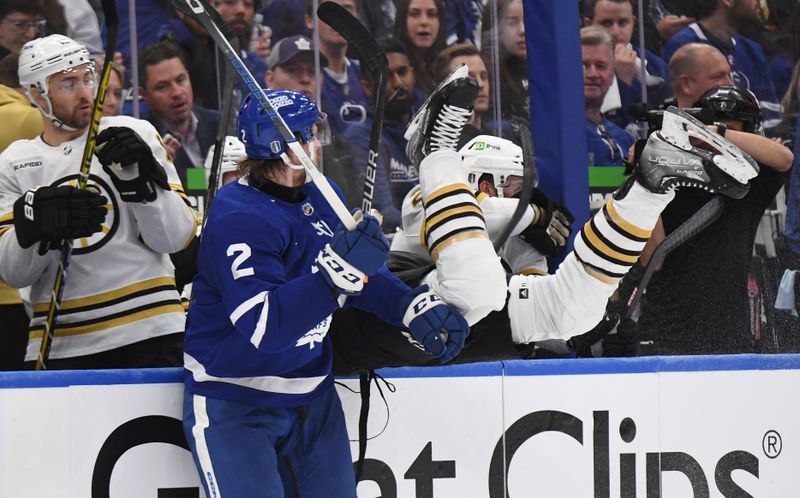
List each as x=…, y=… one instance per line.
x=112, y=29
x=698, y=222
x=370, y=54
x=528, y=177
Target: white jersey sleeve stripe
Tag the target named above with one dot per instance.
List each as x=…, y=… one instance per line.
x=247, y=306
x=261, y=326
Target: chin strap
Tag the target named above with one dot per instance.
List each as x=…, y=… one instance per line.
x=56, y=121
x=288, y=162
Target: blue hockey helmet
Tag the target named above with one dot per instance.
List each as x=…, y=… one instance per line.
x=261, y=138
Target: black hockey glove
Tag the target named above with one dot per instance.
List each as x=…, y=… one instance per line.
x=52, y=214
x=130, y=163
x=625, y=342
x=551, y=226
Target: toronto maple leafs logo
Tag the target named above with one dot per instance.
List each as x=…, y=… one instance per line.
x=315, y=335
x=303, y=43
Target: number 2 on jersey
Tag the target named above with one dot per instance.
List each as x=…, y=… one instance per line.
x=243, y=251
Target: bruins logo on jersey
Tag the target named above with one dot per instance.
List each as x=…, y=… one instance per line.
x=85, y=245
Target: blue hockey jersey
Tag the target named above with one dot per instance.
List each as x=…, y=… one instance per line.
x=749, y=66
x=343, y=100
x=257, y=327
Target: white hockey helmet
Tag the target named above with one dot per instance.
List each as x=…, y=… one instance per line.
x=486, y=154
x=233, y=151
x=43, y=57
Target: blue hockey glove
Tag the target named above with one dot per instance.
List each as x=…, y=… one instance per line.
x=353, y=254
x=434, y=327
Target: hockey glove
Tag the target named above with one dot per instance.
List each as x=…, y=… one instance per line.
x=130, y=163
x=625, y=342
x=52, y=214
x=434, y=327
x=352, y=255
x=550, y=230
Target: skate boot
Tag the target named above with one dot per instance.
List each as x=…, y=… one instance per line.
x=671, y=160
x=439, y=122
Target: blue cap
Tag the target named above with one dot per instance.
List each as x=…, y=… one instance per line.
x=290, y=47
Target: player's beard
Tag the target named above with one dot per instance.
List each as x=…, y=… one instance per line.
x=72, y=115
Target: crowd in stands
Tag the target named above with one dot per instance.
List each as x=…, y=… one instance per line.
x=692, y=48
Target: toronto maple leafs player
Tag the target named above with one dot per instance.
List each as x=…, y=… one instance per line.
x=273, y=268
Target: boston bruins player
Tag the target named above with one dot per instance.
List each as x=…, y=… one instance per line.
x=120, y=307
x=555, y=306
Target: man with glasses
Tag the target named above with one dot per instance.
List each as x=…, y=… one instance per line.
x=120, y=307
x=608, y=143
x=20, y=22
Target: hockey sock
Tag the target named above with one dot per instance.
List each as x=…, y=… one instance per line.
x=611, y=242
x=452, y=213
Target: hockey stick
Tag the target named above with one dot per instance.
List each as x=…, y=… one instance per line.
x=112, y=28
x=211, y=21
x=529, y=168
x=222, y=132
x=698, y=222
x=371, y=55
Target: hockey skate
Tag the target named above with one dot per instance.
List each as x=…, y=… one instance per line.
x=439, y=122
x=686, y=153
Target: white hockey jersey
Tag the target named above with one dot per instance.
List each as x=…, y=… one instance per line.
x=497, y=211
x=121, y=287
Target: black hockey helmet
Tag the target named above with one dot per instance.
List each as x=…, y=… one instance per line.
x=737, y=104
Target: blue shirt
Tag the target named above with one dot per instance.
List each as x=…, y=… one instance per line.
x=395, y=174
x=257, y=328
x=608, y=143
x=792, y=201
x=344, y=103
x=749, y=67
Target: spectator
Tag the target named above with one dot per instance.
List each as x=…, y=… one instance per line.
x=120, y=308
x=464, y=21
x=20, y=22
x=291, y=66
x=515, y=100
x=719, y=25
x=82, y=25
x=188, y=129
x=150, y=16
x=395, y=174
x=201, y=51
x=113, y=102
x=21, y=121
x=698, y=302
x=343, y=100
x=616, y=17
x=420, y=26
x=447, y=61
x=240, y=16
x=608, y=143
x=285, y=18
x=791, y=107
